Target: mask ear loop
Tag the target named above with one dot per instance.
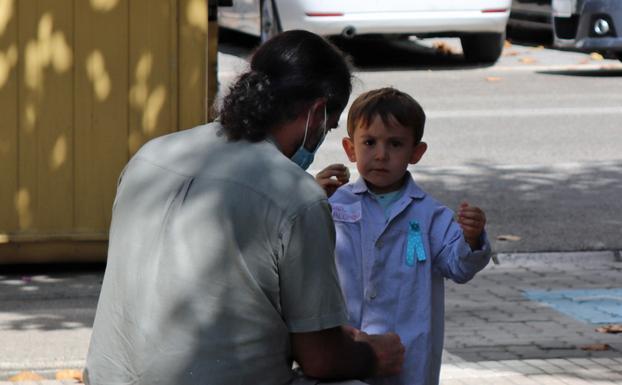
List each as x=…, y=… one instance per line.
x=325, y=129
x=304, y=139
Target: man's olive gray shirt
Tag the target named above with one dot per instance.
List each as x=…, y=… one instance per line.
x=218, y=251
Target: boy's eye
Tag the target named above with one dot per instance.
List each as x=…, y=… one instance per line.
x=396, y=143
x=369, y=142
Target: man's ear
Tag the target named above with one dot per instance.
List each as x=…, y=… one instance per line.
x=418, y=152
x=348, y=146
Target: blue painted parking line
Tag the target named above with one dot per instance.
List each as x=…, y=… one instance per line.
x=598, y=306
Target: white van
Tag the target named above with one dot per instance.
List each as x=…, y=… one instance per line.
x=480, y=24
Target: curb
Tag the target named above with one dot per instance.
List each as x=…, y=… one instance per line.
x=548, y=258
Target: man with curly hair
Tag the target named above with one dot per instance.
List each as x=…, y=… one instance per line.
x=221, y=259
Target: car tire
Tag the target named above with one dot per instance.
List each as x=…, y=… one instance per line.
x=483, y=47
x=270, y=24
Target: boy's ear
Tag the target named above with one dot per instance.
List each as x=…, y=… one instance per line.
x=348, y=146
x=417, y=154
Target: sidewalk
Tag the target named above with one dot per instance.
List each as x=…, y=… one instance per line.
x=496, y=334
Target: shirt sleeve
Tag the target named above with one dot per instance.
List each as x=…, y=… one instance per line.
x=454, y=258
x=311, y=298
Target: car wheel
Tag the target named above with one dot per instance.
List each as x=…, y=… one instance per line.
x=270, y=24
x=483, y=47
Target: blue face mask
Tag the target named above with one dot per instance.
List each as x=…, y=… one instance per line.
x=303, y=157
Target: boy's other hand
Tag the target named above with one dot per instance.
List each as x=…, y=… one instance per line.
x=333, y=177
x=472, y=220
x=388, y=349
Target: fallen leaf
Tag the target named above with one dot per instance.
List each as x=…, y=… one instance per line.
x=614, y=329
x=508, y=237
x=26, y=376
x=442, y=47
x=507, y=44
x=510, y=52
x=69, y=374
x=539, y=47
x=596, y=56
x=595, y=347
x=494, y=79
x=527, y=60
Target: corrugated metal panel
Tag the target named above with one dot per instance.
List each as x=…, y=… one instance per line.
x=83, y=84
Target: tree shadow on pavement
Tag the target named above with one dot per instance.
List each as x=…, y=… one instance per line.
x=549, y=208
x=49, y=297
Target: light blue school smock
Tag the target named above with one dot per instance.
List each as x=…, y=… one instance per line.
x=392, y=270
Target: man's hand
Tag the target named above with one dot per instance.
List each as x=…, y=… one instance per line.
x=333, y=177
x=388, y=349
x=472, y=220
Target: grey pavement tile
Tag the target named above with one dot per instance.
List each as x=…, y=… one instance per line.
x=562, y=363
x=593, y=376
x=585, y=362
x=545, y=366
x=520, y=380
x=609, y=363
x=471, y=341
x=615, y=376
x=517, y=327
x=503, y=355
x=570, y=379
x=604, y=364
x=545, y=379
x=453, y=381
x=527, y=369
x=493, y=365
x=487, y=381
x=473, y=366
x=469, y=356
x=564, y=353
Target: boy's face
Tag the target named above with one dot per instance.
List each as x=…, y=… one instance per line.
x=382, y=153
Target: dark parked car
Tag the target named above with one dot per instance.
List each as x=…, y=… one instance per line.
x=531, y=14
x=585, y=25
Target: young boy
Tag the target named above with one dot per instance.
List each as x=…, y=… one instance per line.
x=396, y=244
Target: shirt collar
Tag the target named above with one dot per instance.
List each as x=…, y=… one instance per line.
x=410, y=190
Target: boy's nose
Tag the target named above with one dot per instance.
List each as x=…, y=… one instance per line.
x=381, y=153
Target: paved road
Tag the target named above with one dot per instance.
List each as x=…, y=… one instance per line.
x=536, y=139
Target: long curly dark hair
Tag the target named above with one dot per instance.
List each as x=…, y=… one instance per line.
x=286, y=73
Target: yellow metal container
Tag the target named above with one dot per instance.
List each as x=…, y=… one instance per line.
x=83, y=84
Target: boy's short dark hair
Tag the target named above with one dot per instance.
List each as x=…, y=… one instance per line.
x=391, y=105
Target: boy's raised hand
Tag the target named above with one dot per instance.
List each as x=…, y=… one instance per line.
x=472, y=220
x=333, y=177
